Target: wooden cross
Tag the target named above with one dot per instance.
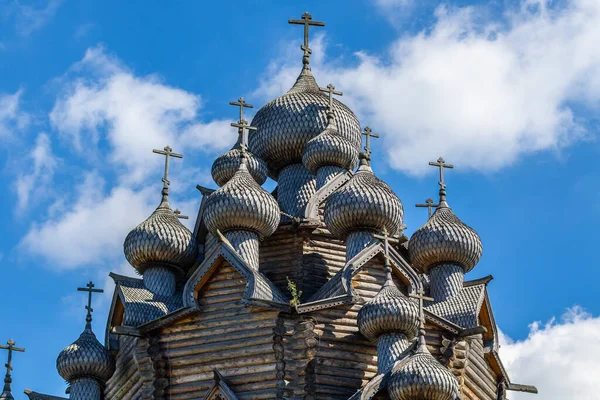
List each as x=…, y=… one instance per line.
x=441, y=164
x=11, y=347
x=306, y=21
x=178, y=214
x=241, y=103
x=167, y=152
x=421, y=297
x=331, y=90
x=244, y=127
x=369, y=134
x=90, y=289
x=429, y=204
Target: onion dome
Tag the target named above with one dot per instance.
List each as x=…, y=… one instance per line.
x=389, y=311
x=329, y=149
x=364, y=203
x=287, y=123
x=444, y=239
x=423, y=377
x=226, y=165
x=161, y=240
x=85, y=358
x=242, y=204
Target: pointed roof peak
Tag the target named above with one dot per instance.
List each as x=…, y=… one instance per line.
x=305, y=82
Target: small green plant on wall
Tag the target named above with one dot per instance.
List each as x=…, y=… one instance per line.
x=294, y=292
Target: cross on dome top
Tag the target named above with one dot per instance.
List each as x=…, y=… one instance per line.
x=241, y=103
x=306, y=21
x=167, y=152
x=429, y=204
x=7, y=379
x=420, y=296
x=387, y=239
x=369, y=134
x=244, y=128
x=90, y=289
x=441, y=164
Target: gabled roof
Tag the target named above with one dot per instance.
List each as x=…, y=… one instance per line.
x=219, y=389
x=38, y=396
x=312, y=208
x=141, y=305
x=338, y=290
x=462, y=308
x=260, y=291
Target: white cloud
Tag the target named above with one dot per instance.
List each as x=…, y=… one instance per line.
x=12, y=117
x=135, y=114
x=92, y=230
x=40, y=174
x=558, y=357
x=27, y=18
x=481, y=92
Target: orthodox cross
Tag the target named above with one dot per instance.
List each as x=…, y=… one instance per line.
x=429, y=204
x=385, y=236
x=331, y=90
x=421, y=297
x=306, y=21
x=177, y=213
x=369, y=134
x=441, y=164
x=241, y=103
x=244, y=127
x=11, y=347
x=90, y=289
x=167, y=152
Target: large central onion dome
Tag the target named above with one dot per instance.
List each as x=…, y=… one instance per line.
x=226, y=165
x=444, y=239
x=161, y=240
x=364, y=203
x=423, y=378
x=85, y=358
x=389, y=311
x=242, y=204
x=287, y=123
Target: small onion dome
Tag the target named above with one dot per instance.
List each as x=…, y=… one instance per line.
x=389, y=311
x=329, y=149
x=226, y=165
x=423, y=377
x=363, y=203
x=287, y=123
x=444, y=238
x=85, y=358
x=242, y=204
x=161, y=240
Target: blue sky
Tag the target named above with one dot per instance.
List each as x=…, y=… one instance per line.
x=506, y=91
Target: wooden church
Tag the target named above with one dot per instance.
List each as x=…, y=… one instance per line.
x=312, y=291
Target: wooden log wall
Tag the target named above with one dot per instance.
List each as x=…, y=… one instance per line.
x=226, y=335
x=344, y=360
x=125, y=383
x=306, y=256
x=480, y=381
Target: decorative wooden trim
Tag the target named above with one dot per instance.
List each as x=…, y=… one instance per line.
x=312, y=208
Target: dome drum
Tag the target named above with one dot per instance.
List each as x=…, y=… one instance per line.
x=84, y=389
x=327, y=173
x=160, y=280
x=246, y=244
x=295, y=188
x=446, y=280
x=390, y=347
